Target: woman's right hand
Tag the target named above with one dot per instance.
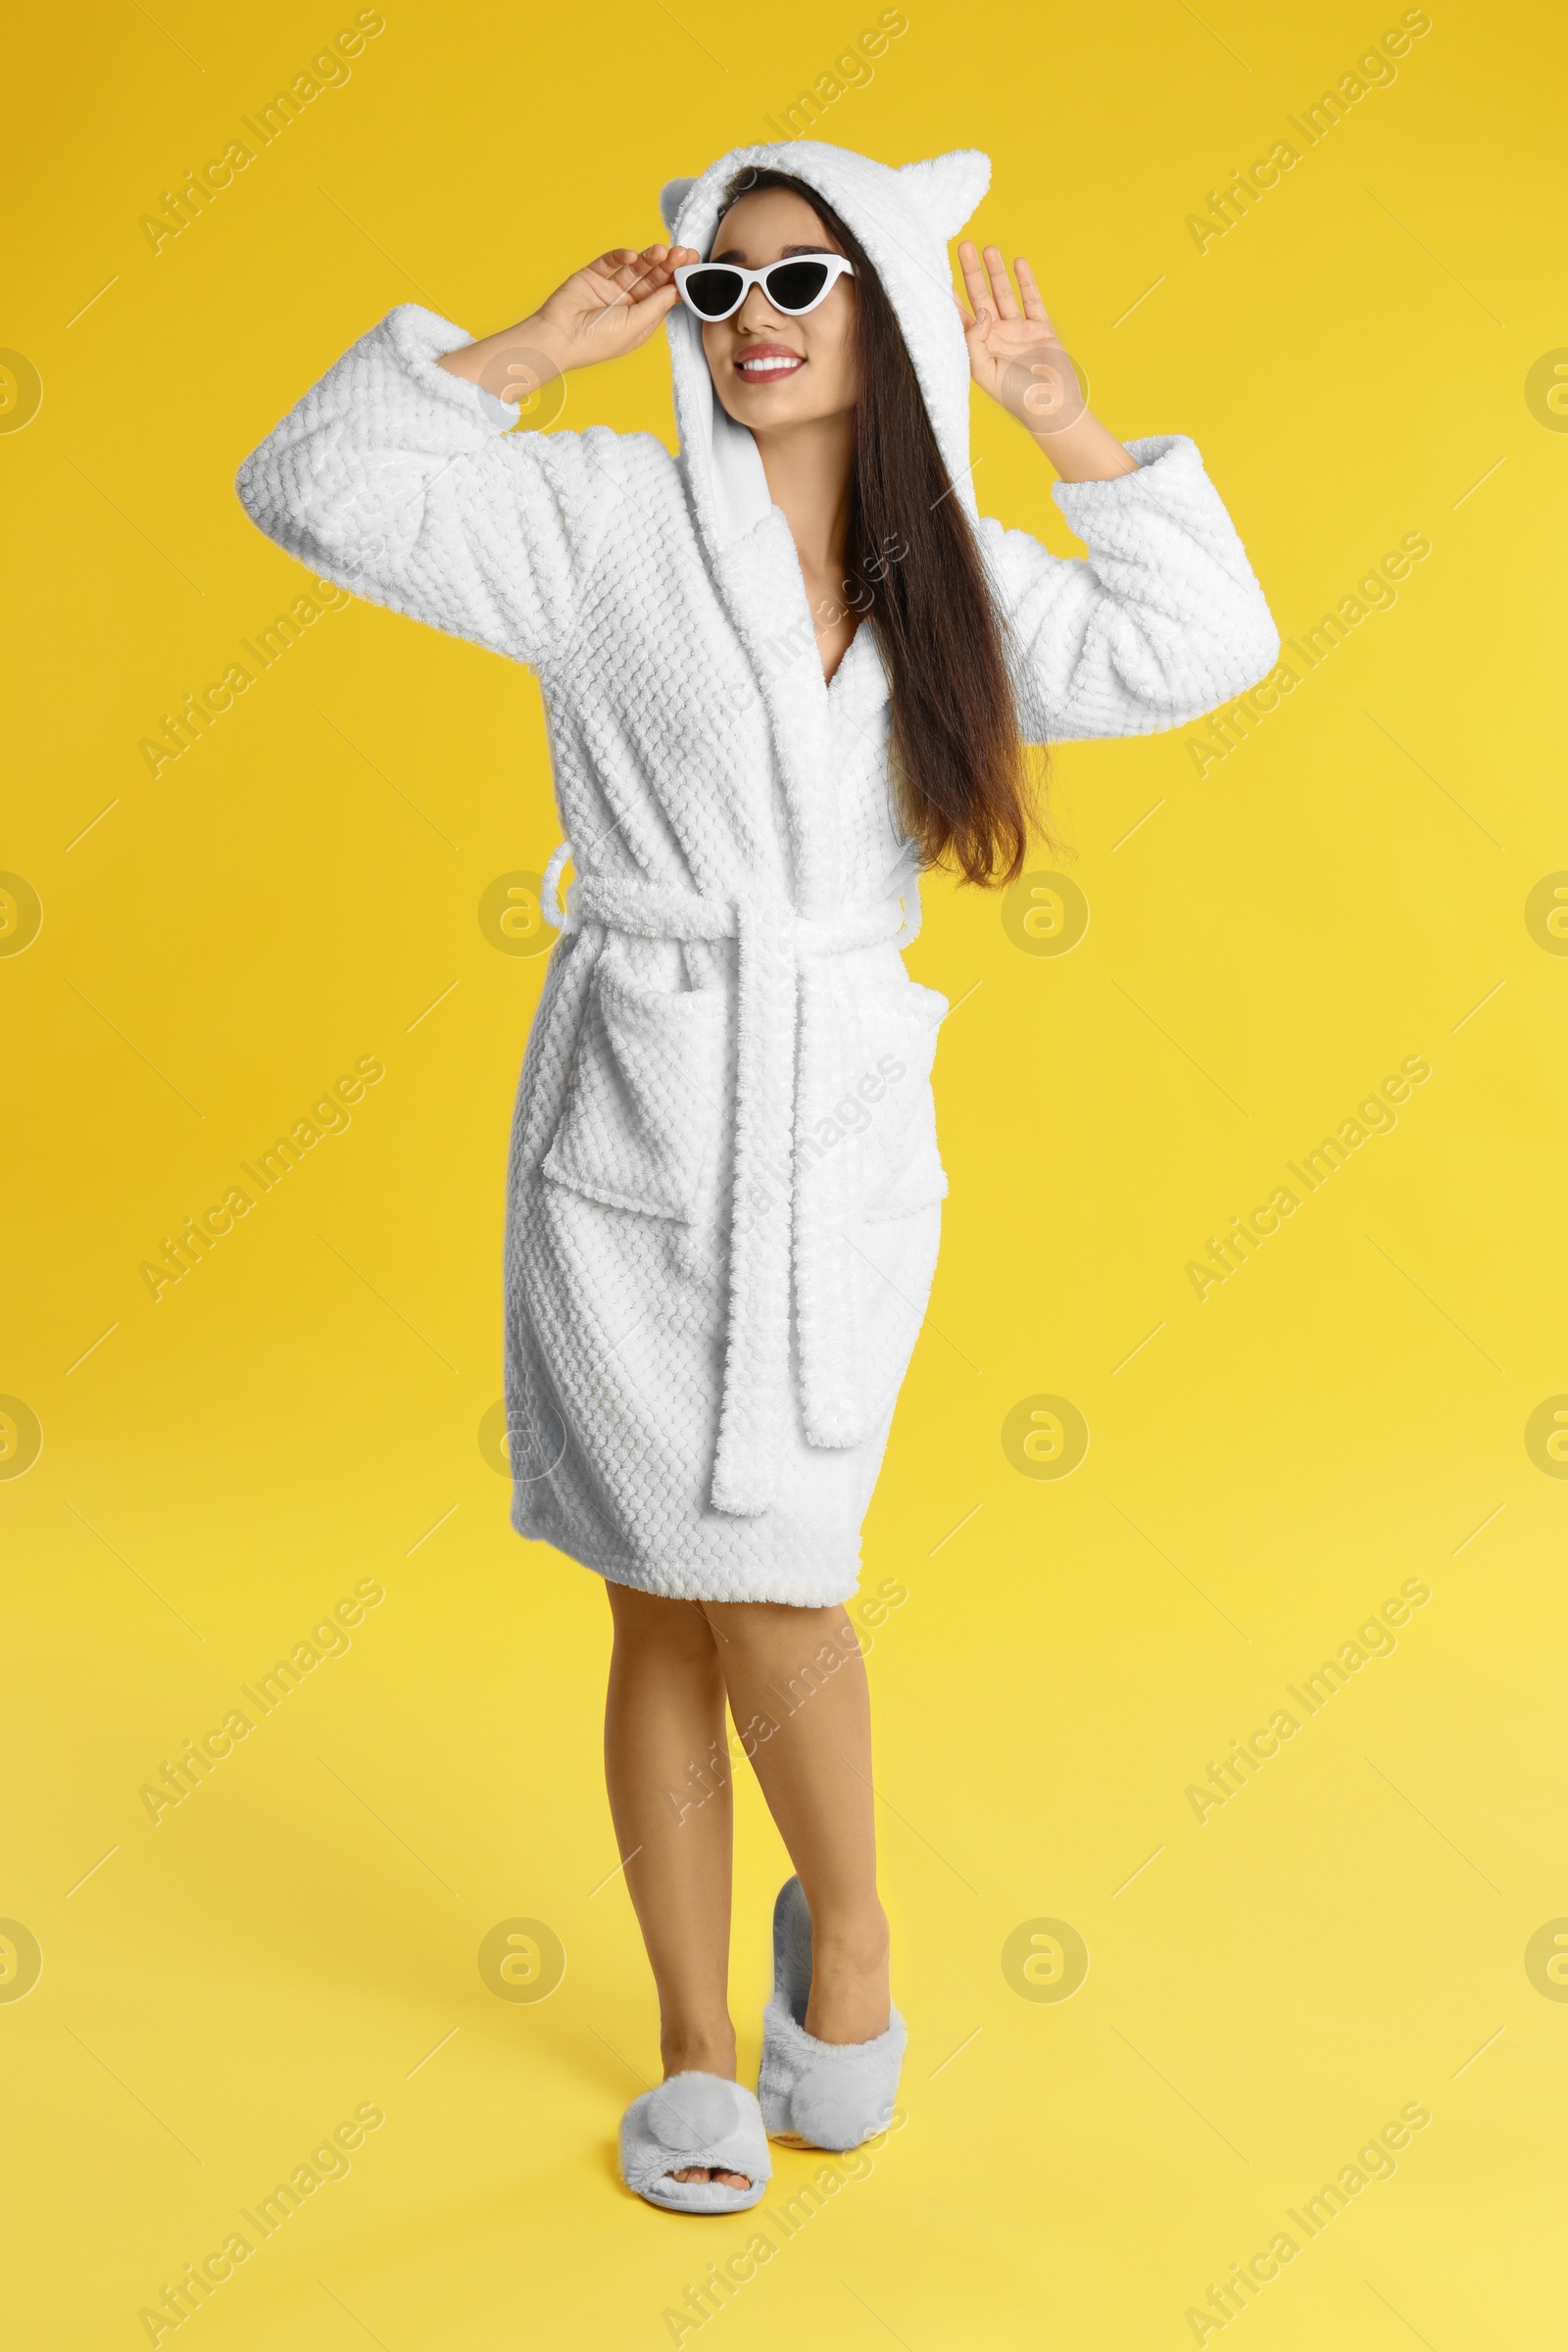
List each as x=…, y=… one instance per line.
x=603, y=311
x=612, y=305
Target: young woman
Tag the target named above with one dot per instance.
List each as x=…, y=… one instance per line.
x=783, y=673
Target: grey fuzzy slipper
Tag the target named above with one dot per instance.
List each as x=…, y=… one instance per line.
x=819, y=2094
x=695, y=2119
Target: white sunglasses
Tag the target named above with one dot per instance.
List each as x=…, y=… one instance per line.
x=716, y=289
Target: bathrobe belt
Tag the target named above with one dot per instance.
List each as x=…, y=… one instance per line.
x=789, y=1211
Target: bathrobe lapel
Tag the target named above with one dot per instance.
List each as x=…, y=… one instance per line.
x=750, y=556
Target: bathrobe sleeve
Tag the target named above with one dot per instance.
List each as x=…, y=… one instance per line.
x=401, y=482
x=1162, y=620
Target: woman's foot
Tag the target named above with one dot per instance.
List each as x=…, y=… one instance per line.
x=704, y=2058
x=696, y=2143
x=850, y=1998
x=833, y=2044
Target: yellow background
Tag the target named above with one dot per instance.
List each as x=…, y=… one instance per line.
x=1341, y=892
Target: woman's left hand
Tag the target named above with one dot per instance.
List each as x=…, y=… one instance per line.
x=1016, y=356
x=1015, y=353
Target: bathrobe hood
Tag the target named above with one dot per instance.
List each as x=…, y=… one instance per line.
x=904, y=218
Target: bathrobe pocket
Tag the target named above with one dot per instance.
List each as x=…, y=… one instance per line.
x=645, y=1103
x=886, y=1110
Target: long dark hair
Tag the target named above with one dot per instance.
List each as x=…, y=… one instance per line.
x=959, y=771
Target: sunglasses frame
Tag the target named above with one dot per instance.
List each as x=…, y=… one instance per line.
x=837, y=264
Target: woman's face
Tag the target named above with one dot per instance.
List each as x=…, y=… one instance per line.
x=816, y=374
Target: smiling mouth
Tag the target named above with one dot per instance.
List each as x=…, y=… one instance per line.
x=770, y=366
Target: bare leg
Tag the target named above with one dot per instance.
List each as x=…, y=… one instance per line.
x=814, y=1767
x=666, y=1744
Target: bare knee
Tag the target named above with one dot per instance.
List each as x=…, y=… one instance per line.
x=652, y=1620
x=772, y=1629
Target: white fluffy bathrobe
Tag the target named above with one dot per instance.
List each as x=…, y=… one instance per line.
x=725, y=1184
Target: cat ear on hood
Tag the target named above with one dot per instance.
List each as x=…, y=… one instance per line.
x=947, y=187
x=672, y=196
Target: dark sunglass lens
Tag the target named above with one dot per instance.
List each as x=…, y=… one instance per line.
x=794, y=285
x=713, y=292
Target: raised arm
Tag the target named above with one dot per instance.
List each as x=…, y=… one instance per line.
x=397, y=475
x=1163, y=619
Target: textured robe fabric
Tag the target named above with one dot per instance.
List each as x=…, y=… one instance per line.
x=723, y=1185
